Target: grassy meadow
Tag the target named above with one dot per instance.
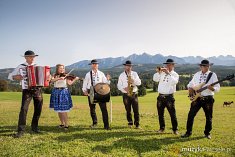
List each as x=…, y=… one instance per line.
x=80, y=140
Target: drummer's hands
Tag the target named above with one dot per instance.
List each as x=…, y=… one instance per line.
x=85, y=93
x=18, y=77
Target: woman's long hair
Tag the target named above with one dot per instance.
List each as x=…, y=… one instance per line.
x=57, y=69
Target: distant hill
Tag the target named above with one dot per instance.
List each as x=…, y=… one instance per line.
x=145, y=58
x=220, y=70
x=146, y=63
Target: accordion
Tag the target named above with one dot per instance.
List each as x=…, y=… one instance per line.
x=36, y=76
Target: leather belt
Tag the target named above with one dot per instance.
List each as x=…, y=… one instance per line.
x=127, y=94
x=206, y=97
x=60, y=87
x=164, y=95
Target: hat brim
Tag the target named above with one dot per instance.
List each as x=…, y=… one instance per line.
x=93, y=63
x=206, y=64
x=169, y=63
x=30, y=56
x=128, y=64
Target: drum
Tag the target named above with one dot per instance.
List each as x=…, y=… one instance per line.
x=100, y=93
x=38, y=76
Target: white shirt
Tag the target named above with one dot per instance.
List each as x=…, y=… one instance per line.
x=123, y=81
x=21, y=70
x=167, y=82
x=199, y=78
x=60, y=84
x=97, y=77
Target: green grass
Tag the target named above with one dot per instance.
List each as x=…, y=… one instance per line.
x=120, y=141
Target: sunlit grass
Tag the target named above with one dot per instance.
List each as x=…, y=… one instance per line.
x=120, y=141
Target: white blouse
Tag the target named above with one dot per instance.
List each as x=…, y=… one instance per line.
x=60, y=84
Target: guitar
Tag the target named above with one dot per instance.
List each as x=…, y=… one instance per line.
x=199, y=88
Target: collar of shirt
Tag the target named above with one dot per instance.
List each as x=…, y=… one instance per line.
x=171, y=72
x=28, y=63
x=94, y=73
x=205, y=73
x=126, y=74
x=203, y=77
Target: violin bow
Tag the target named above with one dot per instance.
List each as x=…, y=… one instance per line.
x=69, y=72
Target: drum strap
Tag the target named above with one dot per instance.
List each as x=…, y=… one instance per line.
x=91, y=78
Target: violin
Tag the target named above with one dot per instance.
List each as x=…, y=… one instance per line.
x=67, y=76
x=70, y=77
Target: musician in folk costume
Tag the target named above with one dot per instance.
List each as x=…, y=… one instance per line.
x=60, y=99
x=92, y=78
x=34, y=93
x=206, y=99
x=167, y=78
x=127, y=84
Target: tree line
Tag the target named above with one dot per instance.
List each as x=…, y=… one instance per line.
x=146, y=78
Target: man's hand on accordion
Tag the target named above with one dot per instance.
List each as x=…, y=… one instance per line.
x=18, y=77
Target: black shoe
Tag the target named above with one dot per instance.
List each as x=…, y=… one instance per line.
x=66, y=128
x=93, y=126
x=176, y=132
x=61, y=126
x=160, y=131
x=107, y=128
x=185, y=135
x=208, y=136
x=130, y=126
x=18, y=134
x=138, y=127
x=36, y=130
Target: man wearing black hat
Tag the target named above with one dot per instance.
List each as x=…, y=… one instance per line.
x=27, y=95
x=91, y=79
x=129, y=80
x=167, y=78
x=206, y=100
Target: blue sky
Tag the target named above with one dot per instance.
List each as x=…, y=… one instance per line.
x=67, y=31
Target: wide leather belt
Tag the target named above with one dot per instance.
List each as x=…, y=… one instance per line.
x=165, y=95
x=61, y=88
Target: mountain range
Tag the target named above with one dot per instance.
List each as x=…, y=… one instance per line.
x=145, y=58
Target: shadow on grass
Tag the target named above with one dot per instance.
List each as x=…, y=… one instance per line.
x=132, y=139
x=56, y=129
x=11, y=130
x=102, y=135
x=142, y=145
x=7, y=130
